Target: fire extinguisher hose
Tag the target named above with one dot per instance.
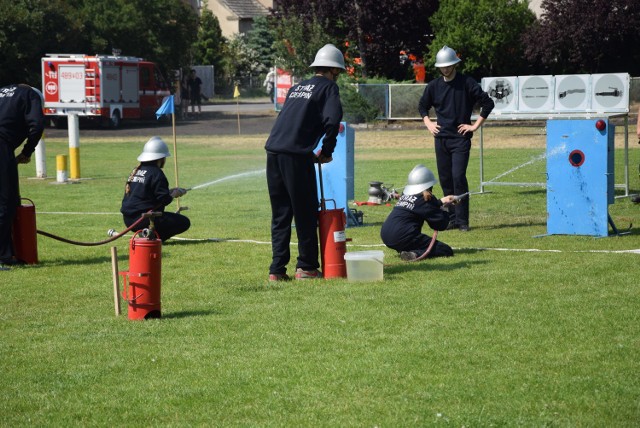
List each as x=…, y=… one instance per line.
x=92, y=244
x=429, y=248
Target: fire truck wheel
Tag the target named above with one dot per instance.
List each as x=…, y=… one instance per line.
x=115, y=121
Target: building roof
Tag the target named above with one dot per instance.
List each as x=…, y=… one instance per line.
x=245, y=9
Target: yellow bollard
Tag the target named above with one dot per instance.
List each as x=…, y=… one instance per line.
x=61, y=168
x=74, y=145
x=74, y=162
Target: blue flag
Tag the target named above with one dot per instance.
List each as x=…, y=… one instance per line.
x=166, y=107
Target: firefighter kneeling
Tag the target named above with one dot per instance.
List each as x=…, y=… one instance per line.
x=147, y=190
x=146, y=195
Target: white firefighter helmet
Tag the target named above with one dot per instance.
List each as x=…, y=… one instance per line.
x=446, y=57
x=154, y=149
x=329, y=56
x=420, y=178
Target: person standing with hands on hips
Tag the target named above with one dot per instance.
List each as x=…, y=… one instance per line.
x=453, y=96
x=21, y=119
x=312, y=109
x=147, y=189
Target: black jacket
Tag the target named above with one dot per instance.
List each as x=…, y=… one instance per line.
x=404, y=224
x=21, y=117
x=312, y=109
x=453, y=102
x=148, y=190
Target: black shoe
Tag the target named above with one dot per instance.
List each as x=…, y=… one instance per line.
x=11, y=262
x=636, y=199
x=464, y=228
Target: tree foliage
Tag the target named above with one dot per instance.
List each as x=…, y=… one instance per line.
x=297, y=42
x=484, y=33
x=260, y=39
x=240, y=59
x=29, y=30
x=586, y=36
x=374, y=31
x=209, y=47
x=158, y=30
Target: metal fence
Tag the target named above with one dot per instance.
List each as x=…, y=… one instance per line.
x=400, y=101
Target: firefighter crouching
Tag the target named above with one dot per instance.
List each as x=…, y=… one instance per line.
x=402, y=230
x=147, y=189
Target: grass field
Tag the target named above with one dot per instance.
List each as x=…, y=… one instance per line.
x=514, y=330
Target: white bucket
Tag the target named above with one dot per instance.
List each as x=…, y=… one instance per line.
x=364, y=265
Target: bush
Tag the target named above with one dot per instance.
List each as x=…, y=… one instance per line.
x=356, y=108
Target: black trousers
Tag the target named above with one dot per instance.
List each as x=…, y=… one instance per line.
x=9, y=199
x=291, y=180
x=452, y=158
x=440, y=249
x=167, y=225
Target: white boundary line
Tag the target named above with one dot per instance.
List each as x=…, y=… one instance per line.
x=529, y=250
x=75, y=213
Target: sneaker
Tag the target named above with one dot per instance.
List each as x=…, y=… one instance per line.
x=636, y=199
x=308, y=274
x=464, y=228
x=408, y=256
x=279, y=277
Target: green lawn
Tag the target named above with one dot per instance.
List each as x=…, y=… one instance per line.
x=498, y=335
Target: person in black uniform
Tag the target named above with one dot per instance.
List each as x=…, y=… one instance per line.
x=195, y=92
x=402, y=230
x=453, y=96
x=21, y=118
x=312, y=109
x=147, y=189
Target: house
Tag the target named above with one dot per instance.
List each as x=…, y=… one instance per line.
x=236, y=16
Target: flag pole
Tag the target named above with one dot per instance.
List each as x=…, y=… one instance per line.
x=168, y=107
x=175, y=153
x=236, y=95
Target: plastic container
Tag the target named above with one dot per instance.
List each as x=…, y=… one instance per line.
x=364, y=265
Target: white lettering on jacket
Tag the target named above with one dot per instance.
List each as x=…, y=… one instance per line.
x=302, y=91
x=407, y=201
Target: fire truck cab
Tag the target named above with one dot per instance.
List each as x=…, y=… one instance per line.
x=106, y=88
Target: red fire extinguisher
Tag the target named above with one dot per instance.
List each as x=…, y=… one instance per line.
x=333, y=241
x=144, y=276
x=25, y=240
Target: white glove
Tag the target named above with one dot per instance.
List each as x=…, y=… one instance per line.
x=176, y=192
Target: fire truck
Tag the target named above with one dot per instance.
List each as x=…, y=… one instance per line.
x=101, y=87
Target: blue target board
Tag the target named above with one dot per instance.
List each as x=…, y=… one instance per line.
x=580, y=178
x=338, y=175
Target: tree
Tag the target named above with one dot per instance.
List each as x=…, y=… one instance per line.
x=484, y=33
x=375, y=31
x=161, y=31
x=297, y=42
x=209, y=47
x=586, y=36
x=260, y=39
x=240, y=60
x=29, y=30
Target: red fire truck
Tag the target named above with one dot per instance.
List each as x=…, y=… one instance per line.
x=106, y=88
